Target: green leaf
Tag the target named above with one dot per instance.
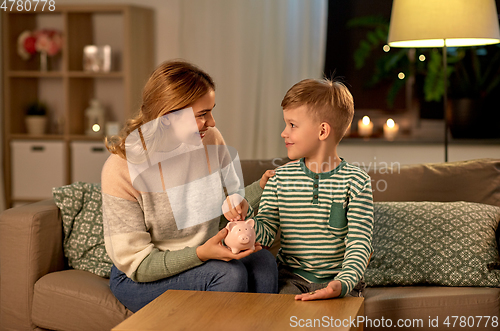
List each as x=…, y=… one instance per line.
x=362, y=52
x=395, y=59
x=394, y=89
x=433, y=83
x=374, y=39
x=383, y=33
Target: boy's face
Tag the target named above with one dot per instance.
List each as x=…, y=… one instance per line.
x=301, y=133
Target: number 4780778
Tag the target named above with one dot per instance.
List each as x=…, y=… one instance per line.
x=27, y=5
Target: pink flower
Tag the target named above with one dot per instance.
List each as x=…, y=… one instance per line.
x=53, y=49
x=55, y=45
x=45, y=40
x=43, y=43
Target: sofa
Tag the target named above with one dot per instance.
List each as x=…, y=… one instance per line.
x=38, y=290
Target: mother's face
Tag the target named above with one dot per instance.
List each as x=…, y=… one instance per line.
x=202, y=110
x=190, y=124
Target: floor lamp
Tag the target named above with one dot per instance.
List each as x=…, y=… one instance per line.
x=443, y=23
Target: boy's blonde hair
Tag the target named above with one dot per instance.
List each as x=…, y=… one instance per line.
x=328, y=100
x=172, y=86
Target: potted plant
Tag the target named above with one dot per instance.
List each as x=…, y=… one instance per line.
x=473, y=75
x=427, y=68
x=36, y=118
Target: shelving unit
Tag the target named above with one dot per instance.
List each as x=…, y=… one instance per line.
x=67, y=89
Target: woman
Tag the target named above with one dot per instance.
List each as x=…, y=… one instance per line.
x=152, y=180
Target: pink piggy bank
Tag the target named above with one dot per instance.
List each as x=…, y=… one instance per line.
x=241, y=235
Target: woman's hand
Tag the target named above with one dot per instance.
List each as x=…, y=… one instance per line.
x=213, y=249
x=235, y=208
x=265, y=177
x=333, y=290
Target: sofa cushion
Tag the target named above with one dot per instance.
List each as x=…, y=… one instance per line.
x=421, y=304
x=76, y=300
x=434, y=243
x=81, y=210
x=473, y=181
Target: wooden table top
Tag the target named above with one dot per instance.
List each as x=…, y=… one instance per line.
x=196, y=310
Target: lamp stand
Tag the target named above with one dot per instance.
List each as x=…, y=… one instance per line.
x=445, y=101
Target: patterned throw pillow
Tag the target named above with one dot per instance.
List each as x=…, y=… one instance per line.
x=81, y=208
x=434, y=243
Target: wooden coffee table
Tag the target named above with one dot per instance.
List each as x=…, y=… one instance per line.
x=194, y=310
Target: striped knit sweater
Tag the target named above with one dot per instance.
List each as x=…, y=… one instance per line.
x=326, y=221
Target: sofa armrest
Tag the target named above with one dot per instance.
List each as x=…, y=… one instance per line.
x=30, y=247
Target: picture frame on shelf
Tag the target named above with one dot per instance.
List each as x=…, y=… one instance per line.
x=97, y=58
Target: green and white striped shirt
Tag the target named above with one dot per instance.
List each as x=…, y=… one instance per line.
x=326, y=221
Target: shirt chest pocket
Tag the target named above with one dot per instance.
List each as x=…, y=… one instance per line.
x=338, y=216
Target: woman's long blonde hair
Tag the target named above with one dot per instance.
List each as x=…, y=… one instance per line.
x=173, y=85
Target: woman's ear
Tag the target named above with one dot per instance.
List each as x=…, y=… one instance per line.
x=325, y=130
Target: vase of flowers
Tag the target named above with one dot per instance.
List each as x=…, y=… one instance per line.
x=46, y=42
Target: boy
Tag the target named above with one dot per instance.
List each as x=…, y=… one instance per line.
x=322, y=204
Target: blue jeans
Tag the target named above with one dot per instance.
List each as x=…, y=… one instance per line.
x=257, y=272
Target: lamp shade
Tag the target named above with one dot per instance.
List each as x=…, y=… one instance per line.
x=432, y=23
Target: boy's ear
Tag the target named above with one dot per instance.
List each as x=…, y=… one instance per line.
x=325, y=130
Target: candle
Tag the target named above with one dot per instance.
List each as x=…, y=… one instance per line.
x=365, y=127
x=390, y=129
